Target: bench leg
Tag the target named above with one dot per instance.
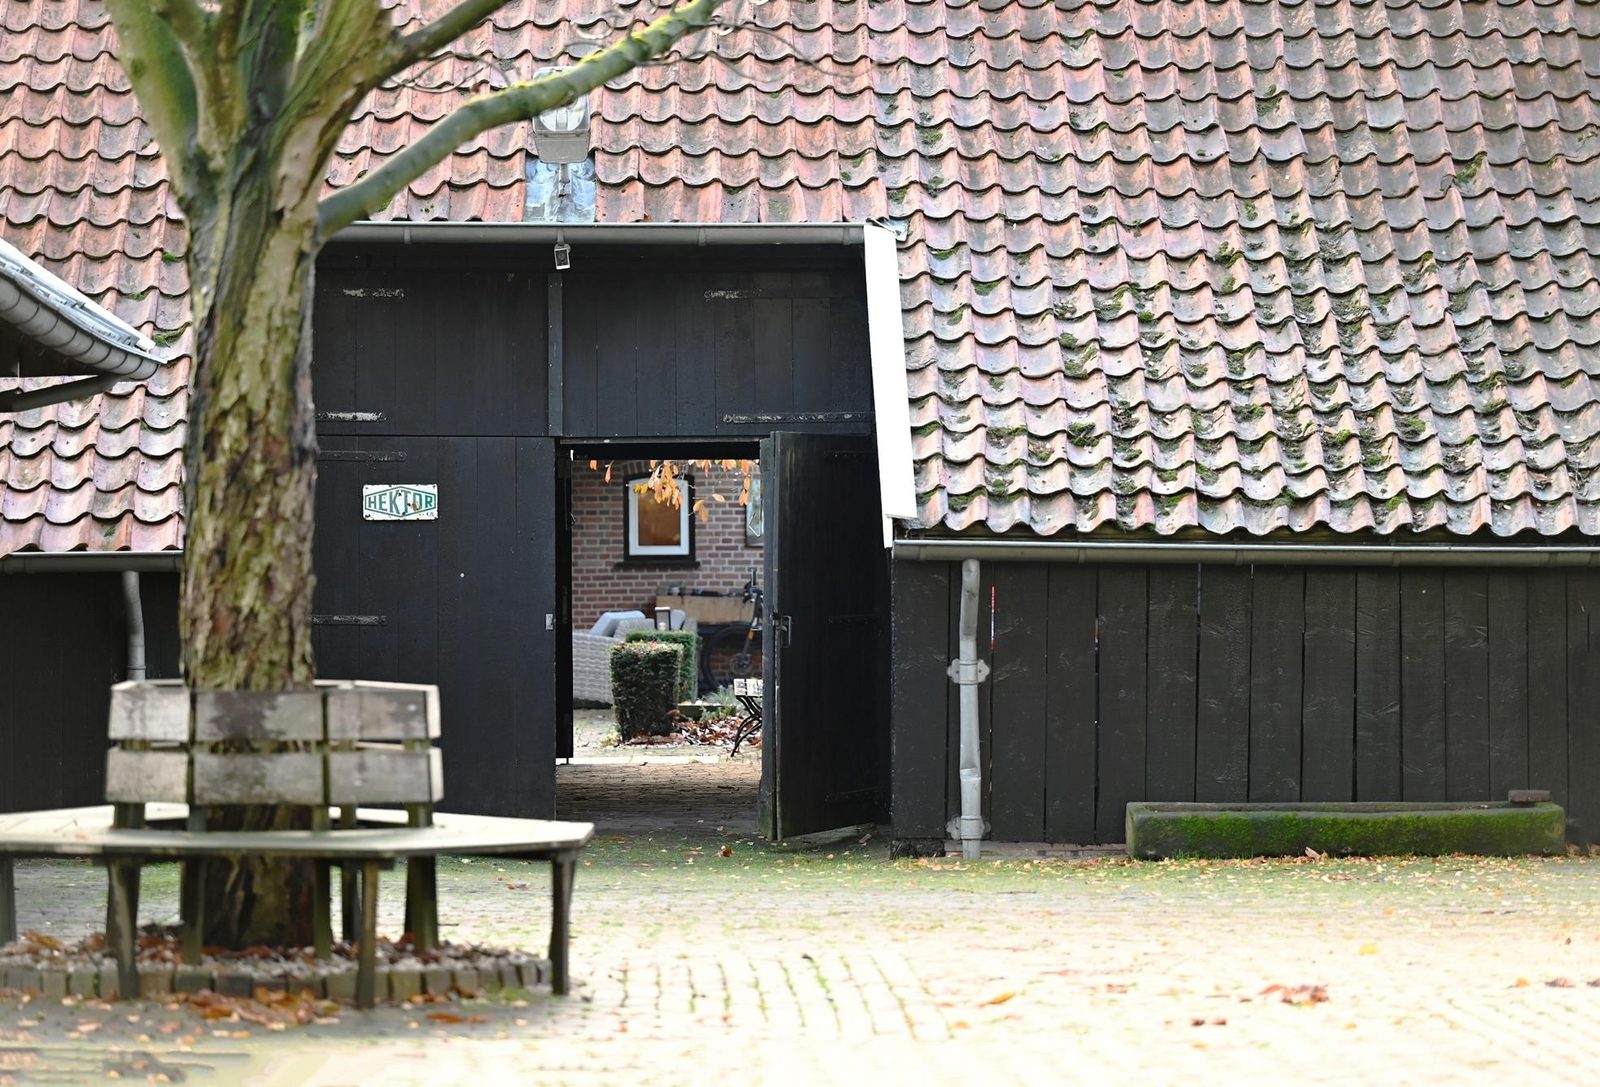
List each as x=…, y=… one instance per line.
x=322, y=919
x=8, y=902
x=192, y=909
x=349, y=904
x=367, y=962
x=123, y=876
x=422, y=902
x=111, y=913
x=563, y=867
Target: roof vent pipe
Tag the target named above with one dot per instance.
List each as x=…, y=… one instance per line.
x=967, y=670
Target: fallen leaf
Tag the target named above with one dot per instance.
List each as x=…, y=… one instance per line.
x=725, y=851
x=1000, y=999
x=1368, y=949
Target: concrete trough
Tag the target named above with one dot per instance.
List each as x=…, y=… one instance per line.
x=1156, y=831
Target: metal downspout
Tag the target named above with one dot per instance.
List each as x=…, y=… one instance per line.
x=134, y=603
x=967, y=670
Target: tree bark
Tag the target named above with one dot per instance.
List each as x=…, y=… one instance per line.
x=247, y=573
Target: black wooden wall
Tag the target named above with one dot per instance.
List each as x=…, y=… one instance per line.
x=672, y=352
x=1221, y=683
x=465, y=367
x=63, y=644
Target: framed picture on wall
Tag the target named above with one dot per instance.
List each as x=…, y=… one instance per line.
x=657, y=530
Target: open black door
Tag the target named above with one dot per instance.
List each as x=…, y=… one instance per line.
x=824, y=663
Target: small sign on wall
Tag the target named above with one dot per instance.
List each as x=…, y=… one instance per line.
x=400, y=501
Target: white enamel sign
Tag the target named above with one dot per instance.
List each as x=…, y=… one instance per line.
x=400, y=501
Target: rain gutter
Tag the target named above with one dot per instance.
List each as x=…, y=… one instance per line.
x=701, y=234
x=49, y=312
x=1110, y=551
x=89, y=562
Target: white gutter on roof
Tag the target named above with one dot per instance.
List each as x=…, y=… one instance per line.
x=606, y=233
x=1223, y=553
x=51, y=313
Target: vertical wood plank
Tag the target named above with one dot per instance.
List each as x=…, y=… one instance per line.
x=772, y=345
x=695, y=354
x=1583, y=705
x=1547, y=683
x=1466, y=685
x=952, y=695
x=813, y=358
x=616, y=364
x=920, y=629
x=658, y=364
x=1017, y=701
x=1222, y=728
x=10, y=604
x=1276, y=636
x=334, y=334
x=1422, y=707
x=1070, y=701
x=1329, y=711
x=1120, y=751
x=400, y=557
x=1508, y=682
x=1377, y=762
x=580, y=356
x=851, y=364
x=734, y=369
x=1172, y=660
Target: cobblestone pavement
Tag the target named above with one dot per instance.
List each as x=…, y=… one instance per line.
x=835, y=964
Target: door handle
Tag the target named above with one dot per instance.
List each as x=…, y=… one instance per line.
x=782, y=627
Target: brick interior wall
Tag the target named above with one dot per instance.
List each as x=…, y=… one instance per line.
x=602, y=582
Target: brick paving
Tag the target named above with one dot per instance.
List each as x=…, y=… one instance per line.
x=834, y=964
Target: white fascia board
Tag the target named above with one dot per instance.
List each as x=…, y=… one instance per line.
x=891, y=403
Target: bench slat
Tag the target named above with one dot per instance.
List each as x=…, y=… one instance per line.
x=364, y=711
x=257, y=715
x=282, y=777
x=142, y=711
x=138, y=777
x=385, y=776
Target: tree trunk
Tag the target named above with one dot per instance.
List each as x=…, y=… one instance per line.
x=251, y=469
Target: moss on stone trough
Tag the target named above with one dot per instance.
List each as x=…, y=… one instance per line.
x=1350, y=830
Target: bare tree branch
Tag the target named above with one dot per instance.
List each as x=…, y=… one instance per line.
x=517, y=102
x=443, y=30
x=190, y=23
x=165, y=82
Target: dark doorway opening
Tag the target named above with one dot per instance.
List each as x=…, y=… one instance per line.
x=781, y=570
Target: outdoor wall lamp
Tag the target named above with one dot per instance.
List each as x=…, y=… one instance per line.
x=562, y=135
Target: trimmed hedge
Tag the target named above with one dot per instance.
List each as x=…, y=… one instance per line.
x=1371, y=829
x=644, y=687
x=689, y=670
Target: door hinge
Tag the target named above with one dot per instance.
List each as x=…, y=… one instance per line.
x=363, y=456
